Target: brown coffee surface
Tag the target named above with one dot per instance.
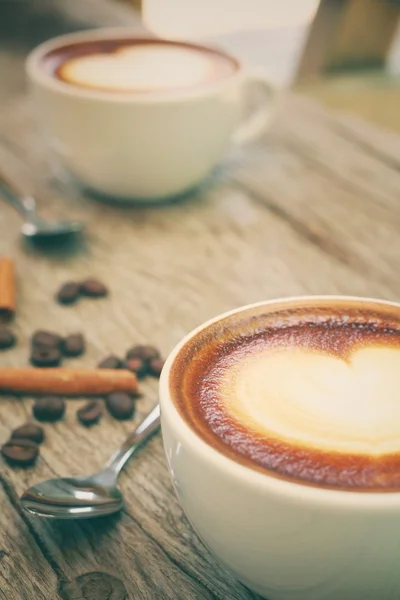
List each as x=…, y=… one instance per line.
x=328, y=373
x=139, y=66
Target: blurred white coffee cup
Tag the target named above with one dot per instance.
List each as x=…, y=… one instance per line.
x=138, y=143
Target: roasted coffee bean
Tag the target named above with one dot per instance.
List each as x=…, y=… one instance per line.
x=7, y=338
x=49, y=408
x=45, y=357
x=73, y=345
x=68, y=293
x=90, y=414
x=156, y=366
x=93, y=288
x=110, y=362
x=22, y=453
x=45, y=339
x=30, y=431
x=137, y=366
x=120, y=405
x=146, y=353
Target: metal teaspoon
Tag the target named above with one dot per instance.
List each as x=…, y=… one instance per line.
x=92, y=496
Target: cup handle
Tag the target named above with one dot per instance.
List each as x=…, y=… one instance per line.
x=255, y=124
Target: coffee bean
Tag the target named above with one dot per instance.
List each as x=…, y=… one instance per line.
x=68, y=293
x=45, y=357
x=89, y=414
x=45, y=339
x=49, y=408
x=73, y=345
x=22, y=453
x=110, y=362
x=146, y=353
x=93, y=288
x=7, y=338
x=30, y=431
x=156, y=366
x=120, y=405
x=137, y=366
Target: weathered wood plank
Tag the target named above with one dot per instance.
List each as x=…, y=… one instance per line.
x=341, y=151
x=24, y=571
x=149, y=547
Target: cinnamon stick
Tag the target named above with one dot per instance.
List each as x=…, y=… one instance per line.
x=7, y=288
x=67, y=382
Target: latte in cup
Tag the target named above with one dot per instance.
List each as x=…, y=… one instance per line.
x=138, y=66
x=308, y=392
x=281, y=429
x=142, y=119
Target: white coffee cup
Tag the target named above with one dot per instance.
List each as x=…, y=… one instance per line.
x=127, y=146
x=284, y=540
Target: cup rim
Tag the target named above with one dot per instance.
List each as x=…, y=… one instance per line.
x=37, y=74
x=291, y=490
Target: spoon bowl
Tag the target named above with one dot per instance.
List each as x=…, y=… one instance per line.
x=42, y=231
x=73, y=498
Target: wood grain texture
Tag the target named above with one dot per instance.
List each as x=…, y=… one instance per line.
x=311, y=207
x=24, y=571
x=93, y=586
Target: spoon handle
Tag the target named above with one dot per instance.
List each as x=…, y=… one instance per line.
x=15, y=194
x=142, y=433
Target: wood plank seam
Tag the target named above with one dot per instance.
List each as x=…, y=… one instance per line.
x=179, y=564
x=348, y=135
x=328, y=246
x=328, y=173
x=14, y=501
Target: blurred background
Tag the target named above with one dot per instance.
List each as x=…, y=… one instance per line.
x=344, y=52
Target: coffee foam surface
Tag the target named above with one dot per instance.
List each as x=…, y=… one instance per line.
x=315, y=399
x=310, y=393
x=141, y=68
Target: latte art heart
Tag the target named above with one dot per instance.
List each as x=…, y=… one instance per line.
x=138, y=66
x=308, y=392
x=318, y=400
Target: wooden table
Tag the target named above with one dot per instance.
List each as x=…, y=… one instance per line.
x=312, y=207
